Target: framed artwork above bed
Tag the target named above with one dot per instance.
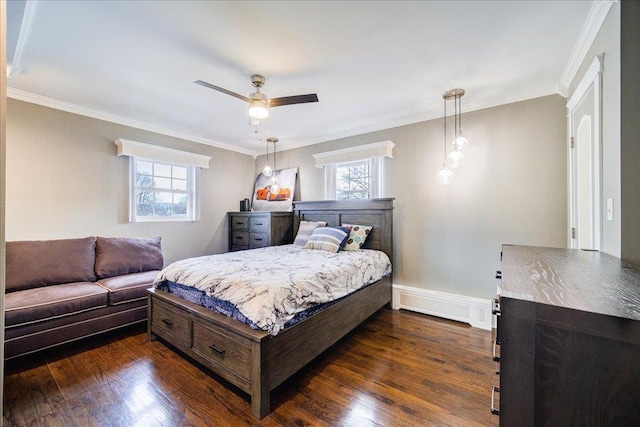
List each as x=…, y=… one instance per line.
x=264, y=199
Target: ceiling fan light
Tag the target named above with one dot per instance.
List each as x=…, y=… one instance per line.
x=258, y=109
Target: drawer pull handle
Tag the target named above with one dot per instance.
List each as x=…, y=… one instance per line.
x=494, y=410
x=167, y=322
x=258, y=223
x=259, y=240
x=219, y=352
x=238, y=237
x=495, y=357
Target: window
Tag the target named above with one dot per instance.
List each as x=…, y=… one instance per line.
x=163, y=182
x=354, y=172
x=353, y=180
x=163, y=191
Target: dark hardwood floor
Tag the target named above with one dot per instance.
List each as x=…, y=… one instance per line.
x=397, y=369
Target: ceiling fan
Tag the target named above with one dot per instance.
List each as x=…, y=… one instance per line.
x=259, y=104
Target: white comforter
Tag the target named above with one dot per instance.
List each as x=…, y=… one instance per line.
x=270, y=285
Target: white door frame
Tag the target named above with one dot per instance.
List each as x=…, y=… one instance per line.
x=591, y=79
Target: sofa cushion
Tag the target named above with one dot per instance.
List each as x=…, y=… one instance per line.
x=33, y=305
x=128, y=287
x=33, y=264
x=125, y=255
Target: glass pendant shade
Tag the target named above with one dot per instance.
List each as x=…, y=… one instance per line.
x=454, y=158
x=267, y=171
x=275, y=185
x=258, y=109
x=461, y=142
x=445, y=176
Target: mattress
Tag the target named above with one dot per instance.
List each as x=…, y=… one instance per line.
x=271, y=288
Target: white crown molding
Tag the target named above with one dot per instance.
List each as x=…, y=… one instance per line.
x=25, y=31
x=511, y=95
x=597, y=15
x=45, y=101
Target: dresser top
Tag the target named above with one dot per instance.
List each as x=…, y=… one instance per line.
x=572, y=278
x=267, y=213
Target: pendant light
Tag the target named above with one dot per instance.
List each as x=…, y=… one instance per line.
x=275, y=183
x=453, y=158
x=267, y=170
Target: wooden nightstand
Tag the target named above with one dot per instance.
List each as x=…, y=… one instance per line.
x=251, y=230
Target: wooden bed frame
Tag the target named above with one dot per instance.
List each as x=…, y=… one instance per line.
x=253, y=360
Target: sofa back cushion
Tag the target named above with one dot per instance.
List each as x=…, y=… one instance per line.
x=125, y=255
x=33, y=264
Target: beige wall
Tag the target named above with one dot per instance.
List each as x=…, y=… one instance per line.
x=64, y=180
x=608, y=42
x=512, y=188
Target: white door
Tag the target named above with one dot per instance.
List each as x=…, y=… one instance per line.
x=584, y=161
x=584, y=184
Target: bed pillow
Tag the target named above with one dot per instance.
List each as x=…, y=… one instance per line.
x=305, y=230
x=357, y=236
x=330, y=239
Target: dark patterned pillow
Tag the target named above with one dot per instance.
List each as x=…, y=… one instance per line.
x=357, y=236
x=330, y=239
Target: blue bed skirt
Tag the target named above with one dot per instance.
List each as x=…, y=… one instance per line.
x=200, y=298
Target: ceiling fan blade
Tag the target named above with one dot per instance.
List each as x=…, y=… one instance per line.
x=219, y=89
x=297, y=99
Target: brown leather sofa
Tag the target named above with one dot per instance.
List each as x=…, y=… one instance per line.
x=59, y=291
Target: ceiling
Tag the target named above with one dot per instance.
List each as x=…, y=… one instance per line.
x=374, y=65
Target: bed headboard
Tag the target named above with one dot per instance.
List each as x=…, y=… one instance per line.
x=375, y=212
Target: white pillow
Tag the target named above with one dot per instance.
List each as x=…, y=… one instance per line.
x=305, y=230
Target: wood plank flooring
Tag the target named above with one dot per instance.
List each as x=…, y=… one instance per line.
x=397, y=369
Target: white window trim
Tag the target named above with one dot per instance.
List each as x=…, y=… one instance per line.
x=352, y=154
x=153, y=153
x=376, y=152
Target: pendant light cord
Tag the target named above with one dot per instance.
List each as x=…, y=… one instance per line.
x=445, y=129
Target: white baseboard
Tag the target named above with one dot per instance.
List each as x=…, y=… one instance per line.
x=474, y=311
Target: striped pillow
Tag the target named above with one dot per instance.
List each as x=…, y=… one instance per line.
x=330, y=239
x=305, y=230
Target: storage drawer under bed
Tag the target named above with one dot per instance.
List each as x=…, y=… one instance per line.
x=233, y=354
x=170, y=323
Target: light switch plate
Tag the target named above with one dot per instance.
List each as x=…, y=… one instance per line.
x=609, y=209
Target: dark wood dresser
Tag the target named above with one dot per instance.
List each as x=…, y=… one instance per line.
x=568, y=338
x=250, y=230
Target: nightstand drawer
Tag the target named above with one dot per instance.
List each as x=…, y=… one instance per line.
x=259, y=224
x=251, y=230
x=239, y=222
x=240, y=238
x=258, y=240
